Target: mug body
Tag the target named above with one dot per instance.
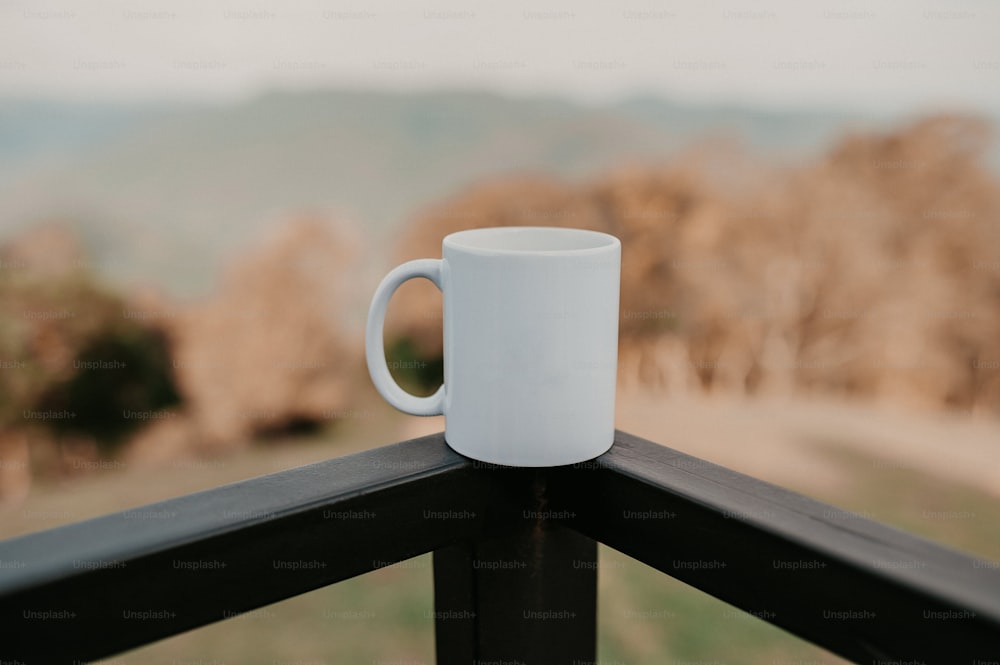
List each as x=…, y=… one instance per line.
x=530, y=343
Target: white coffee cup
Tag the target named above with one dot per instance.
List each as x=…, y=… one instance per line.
x=530, y=343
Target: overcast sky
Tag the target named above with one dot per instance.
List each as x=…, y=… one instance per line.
x=851, y=54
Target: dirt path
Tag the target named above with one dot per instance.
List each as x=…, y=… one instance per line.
x=785, y=440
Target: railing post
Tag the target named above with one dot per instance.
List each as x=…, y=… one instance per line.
x=526, y=594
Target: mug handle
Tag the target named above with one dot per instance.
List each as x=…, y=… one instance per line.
x=374, y=345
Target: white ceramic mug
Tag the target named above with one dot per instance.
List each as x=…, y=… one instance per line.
x=530, y=343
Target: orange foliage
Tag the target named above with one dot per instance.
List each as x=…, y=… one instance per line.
x=874, y=271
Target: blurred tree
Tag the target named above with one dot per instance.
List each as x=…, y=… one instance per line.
x=269, y=352
x=873, y=271
x=73, y=362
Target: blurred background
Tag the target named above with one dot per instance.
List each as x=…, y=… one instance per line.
x=197, y=202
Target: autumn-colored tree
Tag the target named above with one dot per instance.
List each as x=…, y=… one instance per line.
x=874, y=270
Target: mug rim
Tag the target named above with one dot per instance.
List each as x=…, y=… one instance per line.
x=464, y=241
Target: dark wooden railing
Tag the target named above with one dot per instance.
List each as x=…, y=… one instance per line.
x=515, y=574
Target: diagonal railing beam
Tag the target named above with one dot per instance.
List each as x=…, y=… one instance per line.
x=861, y=589
x=99, y=587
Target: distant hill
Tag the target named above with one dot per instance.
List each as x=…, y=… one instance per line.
x=160, y=194
x=42, y=133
